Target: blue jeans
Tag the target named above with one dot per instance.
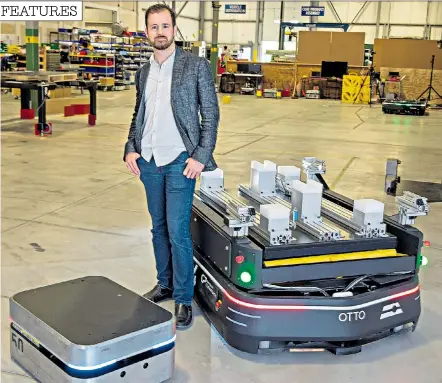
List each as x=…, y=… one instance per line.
x=169, y=199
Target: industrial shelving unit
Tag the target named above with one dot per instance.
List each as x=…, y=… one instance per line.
x=123, y=54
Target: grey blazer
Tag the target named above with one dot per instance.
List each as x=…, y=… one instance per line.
x=193, y=93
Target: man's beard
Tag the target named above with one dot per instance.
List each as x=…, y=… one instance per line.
x=163, y=43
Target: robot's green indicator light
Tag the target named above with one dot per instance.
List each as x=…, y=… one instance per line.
x=246, y=277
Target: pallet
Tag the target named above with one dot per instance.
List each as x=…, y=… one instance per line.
x=41, y=76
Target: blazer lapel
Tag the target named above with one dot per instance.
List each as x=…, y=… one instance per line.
x=143, y=78
x=178, y=67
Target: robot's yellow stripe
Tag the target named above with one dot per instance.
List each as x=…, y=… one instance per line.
x=334, y=258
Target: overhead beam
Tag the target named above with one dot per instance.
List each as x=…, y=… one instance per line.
x=358, y=15
x=281, y=30
x=89, y=4
x=232, y=21
x=387, y=27
x=378, y=19
x=313, y=19
x=201, y=20
x=334, y=11
x=372, y=24
x=184, y=6
x=191, y=17
x=178, y=29
x=257, y=26
x=214, y=47
x=261, y=31
x=399, y=24
x=427, y=29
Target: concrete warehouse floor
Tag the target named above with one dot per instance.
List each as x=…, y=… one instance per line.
x=70, y=209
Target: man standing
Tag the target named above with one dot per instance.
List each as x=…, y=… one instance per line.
x=168, y=147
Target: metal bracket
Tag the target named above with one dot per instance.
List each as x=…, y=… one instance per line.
x=410, y=206
x=312, y=166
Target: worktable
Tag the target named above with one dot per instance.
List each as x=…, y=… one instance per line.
x=42, y=82
x=227, y=77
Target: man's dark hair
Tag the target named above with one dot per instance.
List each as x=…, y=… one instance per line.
x=157, y=8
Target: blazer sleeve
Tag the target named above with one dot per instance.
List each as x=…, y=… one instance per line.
x=130, y=144
x=209, y=109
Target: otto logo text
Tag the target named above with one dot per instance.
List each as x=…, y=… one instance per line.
x=352, y=316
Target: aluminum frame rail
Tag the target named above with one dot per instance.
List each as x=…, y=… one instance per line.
x=320, y=230
x=231, y=205
x=345, y=217
x=339, y=214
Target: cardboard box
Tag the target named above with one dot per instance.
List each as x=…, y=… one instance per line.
x=107, y=81
x=56, y=105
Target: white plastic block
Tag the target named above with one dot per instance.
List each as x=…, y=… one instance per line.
x=274, y=217
x=274, y=211
x=212, y=180
x=263, y=178
x=369, y=206
x=289, y=174
x=299, y=186
x=315, y=185
x=368, y=212
x=270, y=165
x=307, y=199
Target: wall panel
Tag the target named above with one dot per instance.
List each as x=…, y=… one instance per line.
x=231, y=33
x=128, y=18
x=370, y=32
x=94, y=14
x=436, y=12
x=408, y=32
x=192, y=8
x=270, y=28
x=127, y=5
x=188, y=28
x=436, y=33
x=315, y=47
x=408, y=12
x=399, y=53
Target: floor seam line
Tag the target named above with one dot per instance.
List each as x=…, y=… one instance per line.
x=71, y=204
x=341, y=173
x=83, y=228
x=243, y=146
x=269, y=122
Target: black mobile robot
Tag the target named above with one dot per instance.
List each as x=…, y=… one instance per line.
x=283, y=264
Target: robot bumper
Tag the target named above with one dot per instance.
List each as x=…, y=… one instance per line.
x=340, y=325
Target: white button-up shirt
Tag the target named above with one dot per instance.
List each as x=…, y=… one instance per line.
x=161, y=138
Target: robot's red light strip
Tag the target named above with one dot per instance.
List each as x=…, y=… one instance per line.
x=405, y=293
x=325, y=308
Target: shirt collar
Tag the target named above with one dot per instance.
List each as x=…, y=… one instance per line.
x=170, y=59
